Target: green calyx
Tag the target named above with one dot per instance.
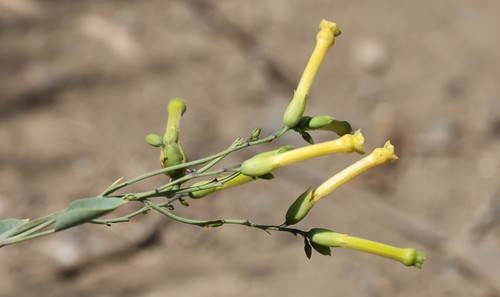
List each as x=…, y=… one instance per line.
x=202, y=192
x=294, y=110
x=173, y=154
x=262, y=163
x=299, y=208
x=329, y=238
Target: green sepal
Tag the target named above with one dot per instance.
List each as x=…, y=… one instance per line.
x=307, y=137
x=324, y=250
x=324, y=237
x=255, y=134
x=85, y=210
x=307, y=248
x=268, y=176
x=325, y=123
x=285, y=148
x=299, y=208
x=294, y=111
x=184, y=202
x=197, y=194
x=262, y=164
x=340, y=127
x=154, y=140
x=171, y=155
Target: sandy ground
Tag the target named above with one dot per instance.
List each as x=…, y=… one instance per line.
x=82, y=83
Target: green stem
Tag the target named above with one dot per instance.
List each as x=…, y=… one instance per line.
x=4, y=242
x=123, y=219
x=222, y=154
x=220, y=222
x=29, y=226
x=34, y=229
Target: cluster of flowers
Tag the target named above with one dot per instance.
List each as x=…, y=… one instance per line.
x=262, y=165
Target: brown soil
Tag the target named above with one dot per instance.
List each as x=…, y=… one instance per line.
x=82, y=83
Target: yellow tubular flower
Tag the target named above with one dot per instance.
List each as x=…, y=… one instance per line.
x=379, y=156
x=238, y=180
x=302, y=205
x=345, y=144
x=407, y=256
x=266, y=162
x=324, y=41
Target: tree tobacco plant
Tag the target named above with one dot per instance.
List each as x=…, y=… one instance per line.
x=184, y=176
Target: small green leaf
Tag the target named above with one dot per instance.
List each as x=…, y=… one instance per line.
x=87, y=209
x=324, y=250
x=307, y=137
x=307, y=248
x=255, y=134
x=9, y=224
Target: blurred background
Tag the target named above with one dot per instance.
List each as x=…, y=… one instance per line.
x=83, y=82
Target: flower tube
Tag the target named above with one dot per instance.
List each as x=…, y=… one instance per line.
x=325, y=39
x=264, y=163
x=302, y=205
x=328, y=238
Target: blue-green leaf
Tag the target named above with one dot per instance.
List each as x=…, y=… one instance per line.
x=87, y=209
x=9, y=224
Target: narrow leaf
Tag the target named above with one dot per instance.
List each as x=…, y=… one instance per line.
x=85, y=210
x=9, y=224
x=307, y=248
x=307, y=137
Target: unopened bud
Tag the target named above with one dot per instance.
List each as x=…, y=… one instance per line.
x=154, y=140
x=176, y=108
x=171, y=155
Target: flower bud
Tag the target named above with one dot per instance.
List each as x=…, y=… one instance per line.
x=407, y=256
x=172, y=155
x=255, y=134
x=176, y=108
x=154, y=140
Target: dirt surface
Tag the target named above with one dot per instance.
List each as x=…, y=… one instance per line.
x=82, y=83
